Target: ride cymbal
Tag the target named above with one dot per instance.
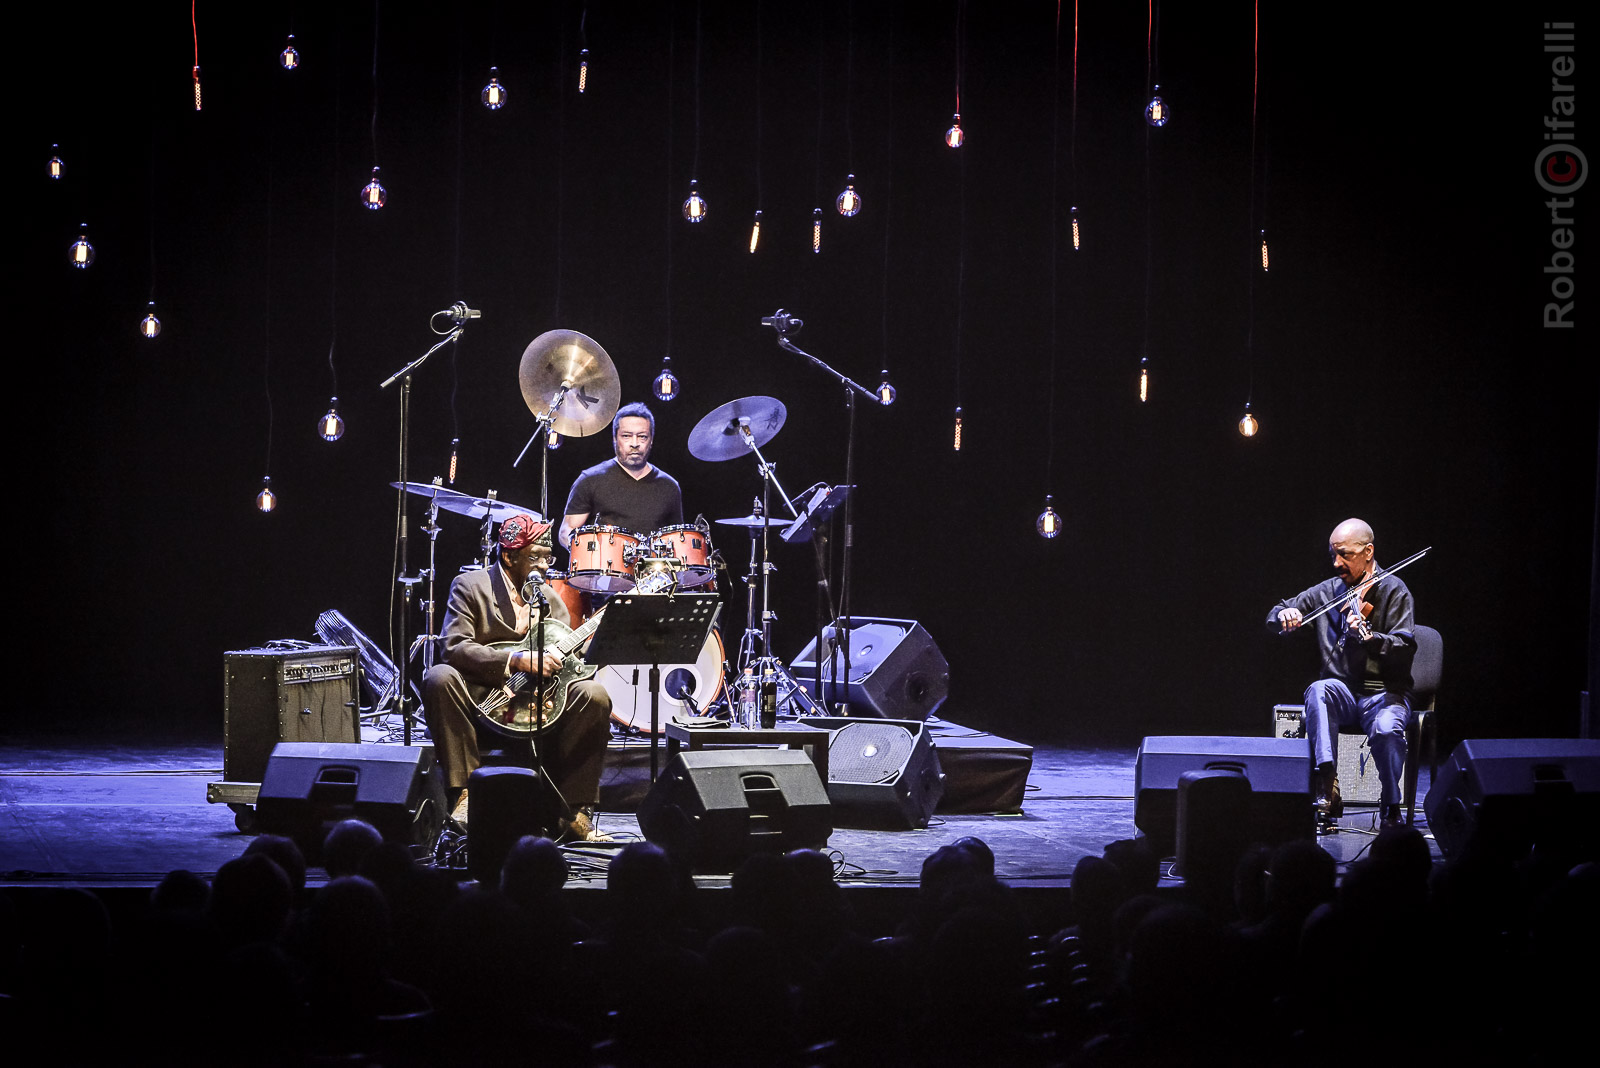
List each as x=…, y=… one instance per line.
x=566, y=358
x=717, y=436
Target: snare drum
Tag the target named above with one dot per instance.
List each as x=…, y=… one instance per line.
x=602, y=558
x=691, y=546
x=629, y=687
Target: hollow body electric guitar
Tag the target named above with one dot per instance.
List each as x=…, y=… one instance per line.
x=512, y=708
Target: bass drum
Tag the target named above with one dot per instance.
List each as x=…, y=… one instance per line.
x=629, y=687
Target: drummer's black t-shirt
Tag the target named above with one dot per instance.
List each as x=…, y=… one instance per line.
x=612, y=496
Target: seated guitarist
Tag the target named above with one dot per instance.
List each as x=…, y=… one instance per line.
x=486, y=606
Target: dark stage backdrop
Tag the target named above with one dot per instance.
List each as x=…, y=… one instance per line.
x=1400, y=369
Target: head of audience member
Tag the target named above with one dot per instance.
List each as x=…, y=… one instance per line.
x=976, y=848
x=1301, y=876
x=347, y=845
x=251, y=900
x=1140, y=867
x=347, y=932
x=533, y=870
x=285, y=854
x=180, y=891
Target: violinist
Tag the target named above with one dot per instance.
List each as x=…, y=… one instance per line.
x=1367, y=647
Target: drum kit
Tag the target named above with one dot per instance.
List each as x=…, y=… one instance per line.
x=570, y=384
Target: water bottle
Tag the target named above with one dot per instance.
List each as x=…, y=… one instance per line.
x=748, y=713
x=769, y=698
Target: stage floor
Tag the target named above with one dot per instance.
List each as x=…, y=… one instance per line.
x=108, y=813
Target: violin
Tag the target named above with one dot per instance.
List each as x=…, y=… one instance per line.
x=1353, y=599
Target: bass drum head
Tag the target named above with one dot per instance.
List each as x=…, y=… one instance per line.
x=629, y=687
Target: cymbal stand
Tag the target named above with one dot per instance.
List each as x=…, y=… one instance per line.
x=767, y=661
x=426, y=641
x=545, y=421
x=404, y=580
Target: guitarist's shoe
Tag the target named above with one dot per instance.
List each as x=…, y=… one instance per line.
x=459, y=813
x=581, y=828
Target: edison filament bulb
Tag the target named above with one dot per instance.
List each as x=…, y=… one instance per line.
x=666, y=383
x=1077, y=239
x=56, y=166
x=331, y=426
x=886, y=391
x=583, y=70
x=494, y=94
x=150, y=326
x=266, y=500
x=1248, y=425
x=953, y=136
x=694, y=208
x=755, y=231
x=289, y=58
x=1049, y=522
x=373, y=194
x=1144, y=379
x=82, y=253
x=849, y=202
x=816, y=229
x=1157, y=113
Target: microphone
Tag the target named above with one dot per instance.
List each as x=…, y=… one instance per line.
x=782, y=322
x=460, y=313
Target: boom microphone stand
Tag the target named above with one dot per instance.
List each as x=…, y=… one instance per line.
x=787, y=325
x=459, y=313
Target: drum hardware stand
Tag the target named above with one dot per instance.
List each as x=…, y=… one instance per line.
x=787, y=325
x=542, y=431
x=459, y=313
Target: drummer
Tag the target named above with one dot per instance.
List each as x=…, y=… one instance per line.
x=626, y=491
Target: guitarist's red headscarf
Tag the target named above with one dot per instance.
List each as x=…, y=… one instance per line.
x=522, y=530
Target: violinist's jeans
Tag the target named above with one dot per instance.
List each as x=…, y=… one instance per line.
x=1382, y=718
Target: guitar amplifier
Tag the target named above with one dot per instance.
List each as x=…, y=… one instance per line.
x=285, y=695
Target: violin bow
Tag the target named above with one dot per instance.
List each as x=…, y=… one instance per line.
x=1362, y=588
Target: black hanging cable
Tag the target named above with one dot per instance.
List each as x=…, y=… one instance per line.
x=816, y=181
x=672, y=227
x=961, y=227
x=561, y=168
x=1055, y=254
x=888, y=191
x=377, y=8
x=333, y=253
x=455, y=263
x=1149, y=51
x=1247, y=422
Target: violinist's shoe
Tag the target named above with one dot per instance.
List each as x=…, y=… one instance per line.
x=1393, y=816
x=1326, y=800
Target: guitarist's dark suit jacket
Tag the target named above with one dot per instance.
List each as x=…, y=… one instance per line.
x=481, y=611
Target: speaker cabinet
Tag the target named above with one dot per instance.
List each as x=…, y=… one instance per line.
x=883, y=774
x=1214, y=826
x=1356, y=766
x=1278, y=770
x=1515, y=792
x=285, y=695
x=310, y=786
x=505, y=803
x=896, y=672
x=718, y=806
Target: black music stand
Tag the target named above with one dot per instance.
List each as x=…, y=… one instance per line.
x=654, y=629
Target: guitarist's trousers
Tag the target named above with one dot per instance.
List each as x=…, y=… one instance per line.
x=572, y=750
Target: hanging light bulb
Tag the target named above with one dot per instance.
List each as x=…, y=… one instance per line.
x=849, y=202
x=694, y=208
x=1049, y=522
x=553, y=440
x=55, y=162
x=886, y=391
x=266, y=500
x=755, y=231
x=1248, y=425
x=454, y=446
x=331, y=426
x=1077, y=241
x=1156, y=113
x=373, y=194
x=150, y=326
x=494, y=94
x=1263, y=250
x=82, y=253
x=958, y=428
x=816, y=229
x=583, y=70
x=953, y=136
x=289, y=58
x=196, y=74
x=666, y=383
x=1144, y=379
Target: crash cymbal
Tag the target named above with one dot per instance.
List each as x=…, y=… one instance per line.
x=717, y=437
x=755, y=522
x=467, y=504
x=558, y=358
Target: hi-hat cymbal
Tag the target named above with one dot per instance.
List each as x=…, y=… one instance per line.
x=717, y=436
x=466, y=504
x=558, y=358
x=755, y=522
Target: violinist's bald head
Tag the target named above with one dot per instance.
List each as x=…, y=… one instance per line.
x=1351, y=532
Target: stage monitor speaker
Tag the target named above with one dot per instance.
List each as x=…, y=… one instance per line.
x=1515, y=792
x=506, y=803
x=718, y=806
x=310, y=786
x=883, y=774
x=285, y=695
x=896, y=672
x=1214, y=826
x=1278, y=770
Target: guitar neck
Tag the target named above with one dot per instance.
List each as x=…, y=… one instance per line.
x=580, y=634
